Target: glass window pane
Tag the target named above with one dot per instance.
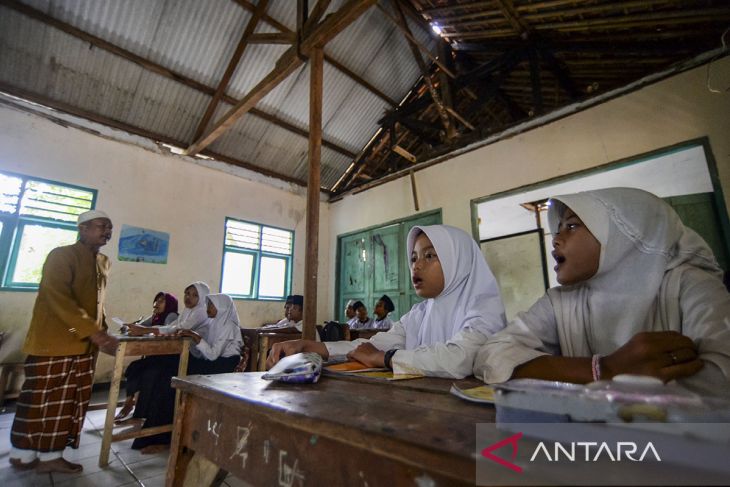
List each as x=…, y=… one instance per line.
x=275, y=240
x=9, y=193
x=241, y=234
x=55, y=201
x=272, y=281
x=35, y=244
x=237, y=272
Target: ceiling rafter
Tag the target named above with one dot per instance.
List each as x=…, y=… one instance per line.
x=289, y=62
x=232, y=65
x=426, y=76
x=328, y=59
x=158, y=69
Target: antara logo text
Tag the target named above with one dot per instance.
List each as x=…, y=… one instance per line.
x=587, y=451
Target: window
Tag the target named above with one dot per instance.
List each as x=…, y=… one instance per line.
x=35, y=217
x=256, y=261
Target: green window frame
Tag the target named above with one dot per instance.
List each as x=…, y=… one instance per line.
x=257, y=261
x=35, y=215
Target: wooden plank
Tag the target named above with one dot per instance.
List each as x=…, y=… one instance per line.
x=314, y=16
x=141, y=433
x=535, y=80
x=335, y=23
x=404, y=153
x=311, y=261
x=273, y=38
x=232, y=64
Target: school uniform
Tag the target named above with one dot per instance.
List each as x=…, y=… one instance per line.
x=654, y=274
x=441, y=336
x=383, y=324
x=356, y=324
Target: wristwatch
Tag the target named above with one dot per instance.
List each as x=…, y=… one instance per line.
x=388, y=359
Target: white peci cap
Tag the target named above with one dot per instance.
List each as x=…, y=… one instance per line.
x=91, y=215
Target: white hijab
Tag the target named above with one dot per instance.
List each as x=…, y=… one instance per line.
x=470, y=299
x=635, y=289
x=193, y=318
x=225, y=325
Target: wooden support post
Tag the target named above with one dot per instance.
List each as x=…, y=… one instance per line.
x=414, y=190
x=311, y=261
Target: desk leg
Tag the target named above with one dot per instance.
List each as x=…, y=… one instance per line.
x=263, y=348
x=182, y=369
x=111, y=406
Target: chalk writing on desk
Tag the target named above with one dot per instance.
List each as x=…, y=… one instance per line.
x=288, y=474
x=267, y=449
x=362, y=478
x=214, y=429
x=242, y=443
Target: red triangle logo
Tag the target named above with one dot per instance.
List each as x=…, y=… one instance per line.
x=512, y=440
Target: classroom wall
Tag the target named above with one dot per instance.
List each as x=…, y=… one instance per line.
x=676, y=109
x=144, y=188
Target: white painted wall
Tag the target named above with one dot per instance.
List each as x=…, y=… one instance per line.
x=659, y=115
x=141, y=187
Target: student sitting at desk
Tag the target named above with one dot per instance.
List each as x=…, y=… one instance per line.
x=441, y=335
x=141, y=379
x=382, y=308
x=292, y=313
x=216, y=350
x=640, y=293
x=193, y=317
x=349, y=310
x=361, y=320
x=164, y=312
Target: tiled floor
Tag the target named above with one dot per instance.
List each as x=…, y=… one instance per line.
x=126, y=466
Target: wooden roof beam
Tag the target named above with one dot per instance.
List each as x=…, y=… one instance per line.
x=289, y=62
x=329, y=59
x=156, y=68
x=413, y=44
x=273, y=38
x=232, y=64
x=519, y=25
x=411, y=39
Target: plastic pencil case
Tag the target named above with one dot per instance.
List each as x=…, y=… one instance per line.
x=300, y=368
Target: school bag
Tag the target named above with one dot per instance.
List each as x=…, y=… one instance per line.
x=333, y=331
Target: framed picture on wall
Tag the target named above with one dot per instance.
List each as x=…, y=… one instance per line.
x=518, y=264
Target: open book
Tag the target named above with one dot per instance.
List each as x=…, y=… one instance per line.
x=357, y=369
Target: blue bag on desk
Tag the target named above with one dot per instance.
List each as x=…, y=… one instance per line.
x=300, y=368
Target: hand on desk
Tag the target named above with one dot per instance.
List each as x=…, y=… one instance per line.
x=667, y=355
x=283, y=349
x=138, y=330
x=367, y=354
x=189, y=333
x=105, y=342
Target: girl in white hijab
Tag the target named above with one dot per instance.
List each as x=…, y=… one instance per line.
x=220, y=345
x=441, y=335
x=640, y=293
x=193, y=316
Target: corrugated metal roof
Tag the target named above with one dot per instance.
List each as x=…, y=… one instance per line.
x=196, y=39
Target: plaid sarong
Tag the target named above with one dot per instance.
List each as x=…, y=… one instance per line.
x=52, y=403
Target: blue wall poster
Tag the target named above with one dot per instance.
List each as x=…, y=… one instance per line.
x=143, y=245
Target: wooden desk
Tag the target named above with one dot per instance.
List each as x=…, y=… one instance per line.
x=268, y=338
x=136, y=346
x=340, y=431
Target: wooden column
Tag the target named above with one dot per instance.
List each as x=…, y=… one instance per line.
x=311, y=261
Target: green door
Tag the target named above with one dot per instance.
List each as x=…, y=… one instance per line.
x=698, y=212
x=373, y=262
